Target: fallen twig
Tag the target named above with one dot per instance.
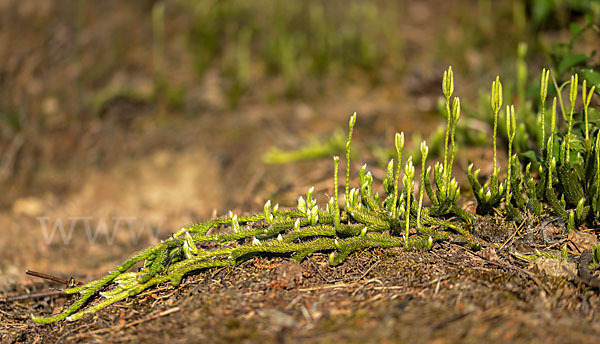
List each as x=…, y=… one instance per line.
x=517, y=230
x=71, y=282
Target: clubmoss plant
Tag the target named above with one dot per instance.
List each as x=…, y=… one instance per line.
x=496, y=102
x=295, y=232
x=567, y=182
x=543, y=95
x=447, y=89
x=399, y=144
x=348, y=142
x=489, y=196
x=446, y=192
x=407, y=181
x=424, y=151
x=511, y=131
x=573, y=99
x=567, y=187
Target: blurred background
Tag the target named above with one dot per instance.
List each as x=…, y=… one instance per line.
x=122, y=121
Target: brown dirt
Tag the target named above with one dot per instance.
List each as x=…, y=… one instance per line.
x=163, y=169
x=447, y=295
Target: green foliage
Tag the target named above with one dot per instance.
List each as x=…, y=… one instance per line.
x=564, y=56
x=163, y=93
x=446, y=191
x=277, y=39
x=549, y=11
x=551, y=255
x=567, y=60
x=12, y=119
x=310, y=150
x=567, y=181
x=595, y=256
x=490, y=195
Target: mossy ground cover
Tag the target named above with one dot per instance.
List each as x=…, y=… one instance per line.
x=369, y=221
x=397, y=218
